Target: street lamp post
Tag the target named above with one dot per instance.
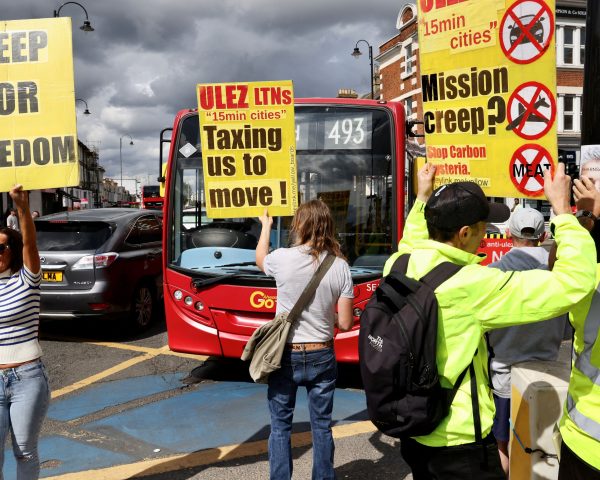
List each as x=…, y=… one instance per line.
x=121, y=152
x=357, y=53
x=87, y=26
x=86, y=111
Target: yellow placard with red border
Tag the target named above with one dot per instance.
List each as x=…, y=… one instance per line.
x=488, y=80
x=38, y=133
x=248, y=148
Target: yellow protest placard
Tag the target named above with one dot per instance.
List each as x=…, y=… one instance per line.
x=38, y=135
x=488, y=79
x=248, y=148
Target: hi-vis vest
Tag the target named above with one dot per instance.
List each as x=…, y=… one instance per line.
x=580, y=424
x=478, y=299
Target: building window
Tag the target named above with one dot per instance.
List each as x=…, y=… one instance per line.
x=408, y=56
x=568, y=114
x=408, y=108
x=570, y=44
x=569, y=110
x=582, y=45
x=409, y=59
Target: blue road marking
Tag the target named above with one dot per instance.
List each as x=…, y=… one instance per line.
x=211, y=416
x=218, y=414
x=73, y=456
x=100, y=396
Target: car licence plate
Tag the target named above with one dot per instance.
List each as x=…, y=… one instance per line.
x=48, y=276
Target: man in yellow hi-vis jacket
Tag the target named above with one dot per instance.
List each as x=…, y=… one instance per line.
x=580, y=424
x=448, y=225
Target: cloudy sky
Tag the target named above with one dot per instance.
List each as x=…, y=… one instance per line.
x=142, y=62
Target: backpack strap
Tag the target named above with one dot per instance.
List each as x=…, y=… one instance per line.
x=401, y=264
x=435, y=277
x=440, y=274
x=311, y=288
x=476, y=417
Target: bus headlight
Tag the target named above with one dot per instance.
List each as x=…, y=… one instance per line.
x=178, y=294
x=356, y=312
x=199, y=306
x=188, y=301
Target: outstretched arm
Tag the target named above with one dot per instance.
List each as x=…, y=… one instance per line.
x=31, y=257
x=262, y=249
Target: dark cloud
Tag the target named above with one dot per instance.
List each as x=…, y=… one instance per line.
x=142, y=63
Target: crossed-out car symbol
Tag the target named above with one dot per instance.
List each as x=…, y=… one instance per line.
x=536, y=30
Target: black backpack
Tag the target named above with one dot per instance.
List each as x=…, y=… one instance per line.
x=397, y=353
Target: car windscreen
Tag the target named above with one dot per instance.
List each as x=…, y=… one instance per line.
x=67, y=236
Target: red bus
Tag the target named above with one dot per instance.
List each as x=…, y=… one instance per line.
x=151, y=198
x=350, y=153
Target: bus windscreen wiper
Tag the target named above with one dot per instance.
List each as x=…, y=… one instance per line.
x=212, y=279
x=204, y=282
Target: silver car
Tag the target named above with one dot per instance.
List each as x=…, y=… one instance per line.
x=101, y=263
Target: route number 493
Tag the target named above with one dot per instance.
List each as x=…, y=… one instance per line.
x=347, y=130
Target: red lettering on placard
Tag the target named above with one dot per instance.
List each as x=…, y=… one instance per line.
x=272, y=96
x=235, y=96
x=427, y=5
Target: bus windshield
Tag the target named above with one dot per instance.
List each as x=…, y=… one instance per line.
x=345, y=157
x=149, y=191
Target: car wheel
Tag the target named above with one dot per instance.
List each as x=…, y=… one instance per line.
x=142, y=308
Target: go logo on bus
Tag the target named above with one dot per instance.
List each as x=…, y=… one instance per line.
x=260, y=299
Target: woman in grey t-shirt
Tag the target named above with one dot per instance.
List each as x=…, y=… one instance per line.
x=309, y=359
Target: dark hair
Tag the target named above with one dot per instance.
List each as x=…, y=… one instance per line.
x=15, y=243
x=313, y=225
x=444, y=236
x=441, y=235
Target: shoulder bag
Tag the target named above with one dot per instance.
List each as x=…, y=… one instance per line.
x=265, y=347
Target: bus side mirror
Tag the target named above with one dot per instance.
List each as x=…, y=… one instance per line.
x=162, y=180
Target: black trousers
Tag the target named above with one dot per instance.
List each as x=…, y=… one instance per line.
x=461, y=462
x=574, y=468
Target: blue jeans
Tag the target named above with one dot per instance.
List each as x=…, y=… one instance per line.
x=317, y=371
x=24, y=400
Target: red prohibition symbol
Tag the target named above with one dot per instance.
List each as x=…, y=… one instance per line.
x=527, y=167
x=526, y=31
x=531, y=111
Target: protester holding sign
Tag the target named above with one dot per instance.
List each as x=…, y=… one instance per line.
x=580, y=423
x=448, y=224
x=521, y=343
x=309, y=359
x=24, y=392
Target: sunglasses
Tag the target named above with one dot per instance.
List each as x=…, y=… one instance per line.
x=3, y=246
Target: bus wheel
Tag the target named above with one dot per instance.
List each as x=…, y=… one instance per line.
x=142, y=308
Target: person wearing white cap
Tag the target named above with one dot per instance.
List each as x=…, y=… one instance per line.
x=534, y=341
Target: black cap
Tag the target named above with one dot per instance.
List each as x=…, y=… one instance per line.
x=456, y=205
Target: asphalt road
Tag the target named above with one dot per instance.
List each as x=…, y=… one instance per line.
x=127, y=407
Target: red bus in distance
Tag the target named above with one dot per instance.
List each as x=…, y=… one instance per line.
x=151, y=198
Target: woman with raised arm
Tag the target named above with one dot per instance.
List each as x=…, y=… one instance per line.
x=24, y=391
x=309, y=359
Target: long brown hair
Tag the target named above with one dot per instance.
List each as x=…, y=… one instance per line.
x=312, y=226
